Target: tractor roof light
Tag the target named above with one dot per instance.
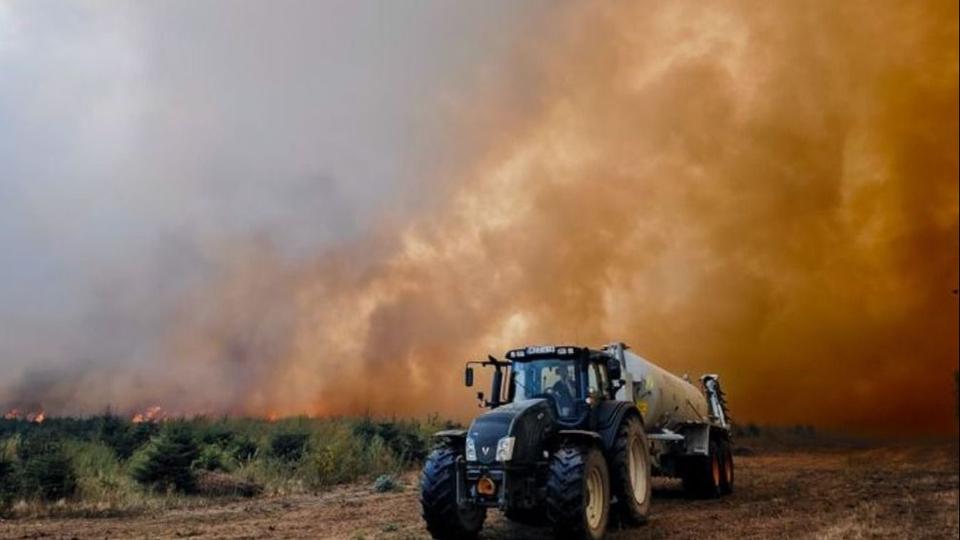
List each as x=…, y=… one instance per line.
x=543, y=351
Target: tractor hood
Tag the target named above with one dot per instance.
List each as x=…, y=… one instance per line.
x=528, y=421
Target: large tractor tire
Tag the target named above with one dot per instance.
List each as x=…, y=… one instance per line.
x=438, y=499
x=702, y=475
x=726, y=468
x=578, y=493
x=630, y=471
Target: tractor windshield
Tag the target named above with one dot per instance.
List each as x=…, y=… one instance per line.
x=550, y=378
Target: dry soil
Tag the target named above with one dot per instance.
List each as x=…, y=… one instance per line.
x=889, y=492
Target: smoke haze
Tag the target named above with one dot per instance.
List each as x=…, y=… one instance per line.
x=767, y=191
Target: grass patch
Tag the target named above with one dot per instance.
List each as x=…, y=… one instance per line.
x=107, y=465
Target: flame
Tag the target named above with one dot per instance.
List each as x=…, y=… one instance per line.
x=36, y=417
x=152, y=414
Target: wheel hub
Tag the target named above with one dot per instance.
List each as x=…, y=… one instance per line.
x=595, y=500
x=637, y=468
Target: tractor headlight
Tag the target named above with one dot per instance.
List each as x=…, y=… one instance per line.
x=471, y=450
x=505, y=448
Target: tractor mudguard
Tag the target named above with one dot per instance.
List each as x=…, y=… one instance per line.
x=454, y=437
x=610, y=415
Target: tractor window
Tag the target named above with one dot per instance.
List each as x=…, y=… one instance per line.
x=597, y=380
x=593, y=381
x=548, y=378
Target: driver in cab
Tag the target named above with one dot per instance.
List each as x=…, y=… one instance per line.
x=564, y=391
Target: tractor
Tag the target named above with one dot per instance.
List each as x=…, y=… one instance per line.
x=572, y=440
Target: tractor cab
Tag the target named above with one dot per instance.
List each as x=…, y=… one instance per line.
x=573, y=380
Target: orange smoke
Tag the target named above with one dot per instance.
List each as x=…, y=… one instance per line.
x=763, y=190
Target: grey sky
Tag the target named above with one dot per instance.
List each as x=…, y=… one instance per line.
x=136, y=136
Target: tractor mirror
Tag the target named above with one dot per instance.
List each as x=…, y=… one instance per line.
x=468, y=377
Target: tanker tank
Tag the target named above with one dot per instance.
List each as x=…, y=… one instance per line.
x=665, y=401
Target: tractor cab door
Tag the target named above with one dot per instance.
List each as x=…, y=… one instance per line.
x=598, y=381
x=598, y=391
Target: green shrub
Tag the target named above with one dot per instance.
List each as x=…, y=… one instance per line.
x=243, y=448
x=217, y=433
x=123, y=436
x=9, y=482
x=48, y=476
x=213, y=458
x=100, y=475
x=403, y=438
x=165, y=462
x=289, y=446
x=37, y=443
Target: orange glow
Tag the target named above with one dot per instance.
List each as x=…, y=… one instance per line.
x=151, y=414
x=765, y=191
x=17, y=414
x=486, y=486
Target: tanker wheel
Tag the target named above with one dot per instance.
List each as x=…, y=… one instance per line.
x=727, y=476
x=630, y=469
x=438, y=499
x=578, y=493
x=703, y=474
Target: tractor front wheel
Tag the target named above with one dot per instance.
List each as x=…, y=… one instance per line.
x=438, y=498
x=578, y=493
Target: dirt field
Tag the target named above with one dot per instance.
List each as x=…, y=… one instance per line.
x=865, y=493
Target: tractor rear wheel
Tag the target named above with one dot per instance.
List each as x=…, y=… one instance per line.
x=631, y=472
x=438, y=498
x=578, y=493
x=702, y=474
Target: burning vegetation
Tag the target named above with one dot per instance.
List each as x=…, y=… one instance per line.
x=16, y=414
x=151, y=414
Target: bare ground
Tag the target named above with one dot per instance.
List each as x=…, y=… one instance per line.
x=894, y=492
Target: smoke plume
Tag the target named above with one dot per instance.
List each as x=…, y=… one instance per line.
x=767, y=191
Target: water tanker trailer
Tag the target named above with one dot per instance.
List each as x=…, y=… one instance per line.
x=572, y=437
